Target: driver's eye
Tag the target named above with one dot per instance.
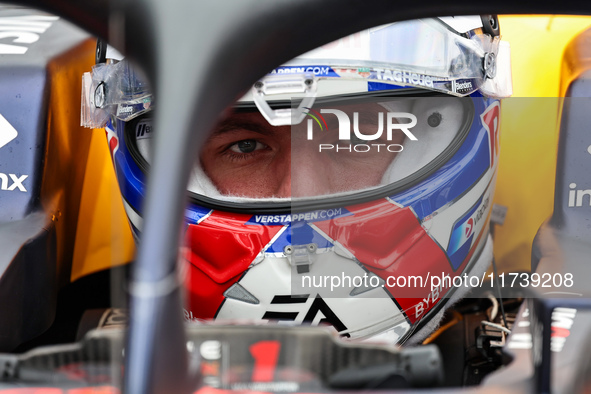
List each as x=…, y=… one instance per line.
x=246, y=146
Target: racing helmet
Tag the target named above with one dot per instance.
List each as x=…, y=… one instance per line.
x=349, y=186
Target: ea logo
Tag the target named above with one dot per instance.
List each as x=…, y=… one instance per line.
x=469, y=226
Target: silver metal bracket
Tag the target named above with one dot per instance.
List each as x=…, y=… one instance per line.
x=301, y=256
x=490, y=65
x=287, y=85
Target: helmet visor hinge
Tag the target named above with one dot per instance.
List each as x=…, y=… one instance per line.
x=489, y=65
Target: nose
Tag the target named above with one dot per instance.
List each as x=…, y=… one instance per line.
x=306, y=175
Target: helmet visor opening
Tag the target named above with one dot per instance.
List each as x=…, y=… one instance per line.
x=346, y=150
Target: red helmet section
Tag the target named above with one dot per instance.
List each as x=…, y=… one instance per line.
x=220, y=249
x=387, y=239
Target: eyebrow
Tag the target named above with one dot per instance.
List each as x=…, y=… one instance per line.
x=234, y=125
x=231, y=124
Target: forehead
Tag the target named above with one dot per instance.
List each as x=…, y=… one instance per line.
x=250, y=118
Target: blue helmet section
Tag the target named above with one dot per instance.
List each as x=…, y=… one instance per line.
x=130, y=177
